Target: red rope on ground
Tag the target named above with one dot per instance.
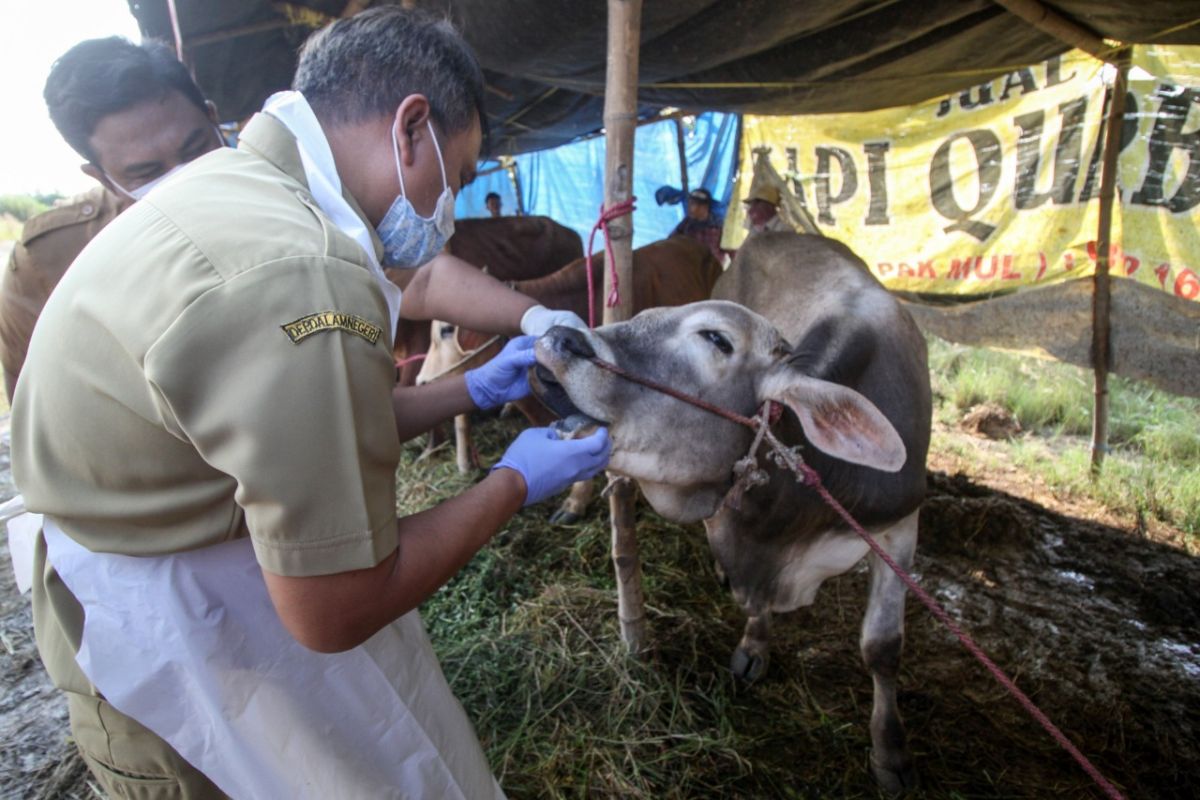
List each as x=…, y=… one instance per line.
x=606, y=216
x=811, y=478
x=807, y=475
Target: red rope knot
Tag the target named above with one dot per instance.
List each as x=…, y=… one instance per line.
x=810, y=476
x=607, y=215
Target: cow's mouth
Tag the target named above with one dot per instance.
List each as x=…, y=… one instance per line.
x=551, y=393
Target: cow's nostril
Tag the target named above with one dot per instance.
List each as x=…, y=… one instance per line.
x=575, y=342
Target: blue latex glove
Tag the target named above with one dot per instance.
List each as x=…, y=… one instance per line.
x=505, y=378
x=550, y=464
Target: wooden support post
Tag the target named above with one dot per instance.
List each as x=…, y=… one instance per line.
x=620, y=123
x=1101, y=296
x=682, y=145
x=514, y=175
x=462, y=444
x=1062, y=28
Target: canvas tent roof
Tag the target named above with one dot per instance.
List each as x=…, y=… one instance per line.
x=545, y=59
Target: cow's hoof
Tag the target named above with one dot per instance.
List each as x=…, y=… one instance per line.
x=894, y=781
x=564, y=517
x=748, y=665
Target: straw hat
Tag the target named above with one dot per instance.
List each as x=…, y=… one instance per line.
x=763, y=191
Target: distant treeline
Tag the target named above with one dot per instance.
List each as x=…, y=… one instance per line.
x=24, y=206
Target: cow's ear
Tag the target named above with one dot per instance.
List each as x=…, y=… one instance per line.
x=837, y=420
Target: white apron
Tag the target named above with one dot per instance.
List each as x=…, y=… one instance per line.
x=190, y=646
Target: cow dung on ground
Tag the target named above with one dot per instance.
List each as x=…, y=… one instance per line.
x=990, y=420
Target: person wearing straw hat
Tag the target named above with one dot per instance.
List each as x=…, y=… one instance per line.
x=762, y=209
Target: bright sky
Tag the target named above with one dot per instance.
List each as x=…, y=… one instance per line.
x=33, y=157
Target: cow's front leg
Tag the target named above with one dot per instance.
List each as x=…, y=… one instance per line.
x=750, y=659
x=882, y=641
x=575, y=506
x=464, y=451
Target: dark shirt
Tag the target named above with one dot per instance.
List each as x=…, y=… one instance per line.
x=705, y=231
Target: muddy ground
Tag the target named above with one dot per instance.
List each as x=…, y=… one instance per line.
x=1096, y=617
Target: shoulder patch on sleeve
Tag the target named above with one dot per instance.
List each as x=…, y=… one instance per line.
x=331, y=321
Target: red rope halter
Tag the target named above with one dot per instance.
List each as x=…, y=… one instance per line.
x=606, y=216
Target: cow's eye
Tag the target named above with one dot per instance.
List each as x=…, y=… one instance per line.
x=718, y=341
x=446, y=331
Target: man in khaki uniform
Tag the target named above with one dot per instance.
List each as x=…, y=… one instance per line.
x=212, y=383
x=133, y=113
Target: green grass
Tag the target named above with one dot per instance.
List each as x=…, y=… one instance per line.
x=1153, y=467
x=10, y=228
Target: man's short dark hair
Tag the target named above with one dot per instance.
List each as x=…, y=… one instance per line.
x=490, y=195
x=99, y=77
x=361, y=67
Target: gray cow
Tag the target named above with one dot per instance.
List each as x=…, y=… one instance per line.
x=811, y=328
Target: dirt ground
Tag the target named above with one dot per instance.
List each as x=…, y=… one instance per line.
x=1096, y=617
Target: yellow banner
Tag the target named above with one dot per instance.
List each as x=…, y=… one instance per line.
x=997, y=187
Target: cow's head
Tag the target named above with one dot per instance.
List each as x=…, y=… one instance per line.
x=683, y=456
x=444, y=351
x=454, y=350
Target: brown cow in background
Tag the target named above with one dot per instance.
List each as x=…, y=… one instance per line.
x=671, y=272
x=510, y=248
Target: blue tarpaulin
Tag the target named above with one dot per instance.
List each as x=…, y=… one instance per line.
x=491, y=178
x=567, y=182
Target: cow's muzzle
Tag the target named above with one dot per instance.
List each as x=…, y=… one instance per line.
x=556, y=350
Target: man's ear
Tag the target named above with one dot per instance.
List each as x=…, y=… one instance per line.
x=837, y=420
x=410, y=123
x=97, y=174
x=210, y=110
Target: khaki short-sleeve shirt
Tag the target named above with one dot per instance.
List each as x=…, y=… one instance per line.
x=49, y=243
x=216, y=364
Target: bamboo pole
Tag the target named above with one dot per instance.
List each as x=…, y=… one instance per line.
x=682, y=145
x=1062, y=28
x=462, y=444
x=1101, y=290
x=620, y=122
x=514, y=175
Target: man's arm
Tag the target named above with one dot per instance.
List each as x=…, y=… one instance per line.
x=20, y=303
x=419, y=408
x=332, y=613
x=450, y=289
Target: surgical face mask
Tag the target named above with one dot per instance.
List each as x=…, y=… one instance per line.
x=410, y=240
x=138, y=192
